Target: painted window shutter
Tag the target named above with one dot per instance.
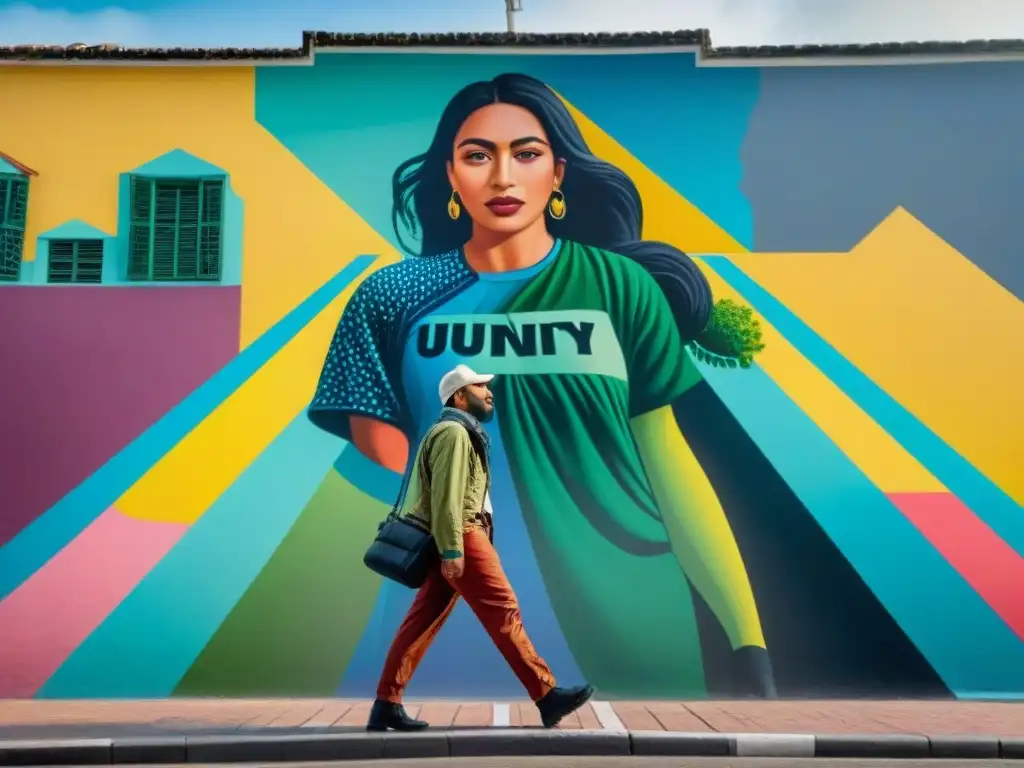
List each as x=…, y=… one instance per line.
x=211, y=228
x=16, y=205
x=75, y=261
x=141, y=229
x=13, y=212
x=176, y=229
x=165, y=231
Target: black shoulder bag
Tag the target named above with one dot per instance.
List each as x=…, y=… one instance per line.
x=404, y=550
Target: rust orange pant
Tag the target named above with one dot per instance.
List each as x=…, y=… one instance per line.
x=488, y=593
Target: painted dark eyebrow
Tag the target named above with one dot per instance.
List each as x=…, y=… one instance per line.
x=490, y=145
x=528, y=140
x=479, y=143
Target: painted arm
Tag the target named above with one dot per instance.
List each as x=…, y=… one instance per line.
x=382, y=443
x=697, y=527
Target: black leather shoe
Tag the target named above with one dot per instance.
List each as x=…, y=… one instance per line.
x=752, y=673
x=560, y=702
x=385, y=715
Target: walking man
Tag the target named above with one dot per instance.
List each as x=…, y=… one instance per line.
x=449, y=492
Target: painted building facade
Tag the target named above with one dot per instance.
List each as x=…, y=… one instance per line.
x=180, y=242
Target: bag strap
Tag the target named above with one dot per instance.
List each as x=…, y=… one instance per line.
x=407, y=477
x=485, y=460
x=396, y=509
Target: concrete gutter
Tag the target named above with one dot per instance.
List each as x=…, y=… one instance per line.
x=505, y=742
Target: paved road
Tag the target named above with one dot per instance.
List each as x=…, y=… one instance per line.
x=641, y=762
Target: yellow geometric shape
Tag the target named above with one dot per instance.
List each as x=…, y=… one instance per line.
x=926, y=325
x=297, y=234
x=669, y=217
x=191, y=476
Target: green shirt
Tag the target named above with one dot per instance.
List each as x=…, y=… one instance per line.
x=594, y=523
x=567, y=429
x=448, y=486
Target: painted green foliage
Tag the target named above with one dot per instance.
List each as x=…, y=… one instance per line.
x=732, y=336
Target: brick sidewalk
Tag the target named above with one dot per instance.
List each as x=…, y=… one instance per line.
x=67, y=719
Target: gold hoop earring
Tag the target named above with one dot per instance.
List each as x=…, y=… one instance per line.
x=454, y=209
x=557, y=205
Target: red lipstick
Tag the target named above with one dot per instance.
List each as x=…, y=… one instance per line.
x=505, y=206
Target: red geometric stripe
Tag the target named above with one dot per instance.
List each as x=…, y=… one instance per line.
x=992, y=568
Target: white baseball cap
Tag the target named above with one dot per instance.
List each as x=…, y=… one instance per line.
x=457, y=378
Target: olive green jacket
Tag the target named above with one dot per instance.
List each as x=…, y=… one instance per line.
x=448, y=486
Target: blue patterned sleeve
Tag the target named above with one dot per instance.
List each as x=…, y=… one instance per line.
x=358, y=376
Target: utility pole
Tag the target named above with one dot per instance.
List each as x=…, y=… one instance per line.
x=512, y=7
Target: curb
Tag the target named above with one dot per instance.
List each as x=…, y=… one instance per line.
x=510, y=742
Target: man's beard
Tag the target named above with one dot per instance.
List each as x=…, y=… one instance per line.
x=478, y=408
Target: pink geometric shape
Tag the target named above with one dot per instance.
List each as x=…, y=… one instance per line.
x=991, y=566
x=48, y=616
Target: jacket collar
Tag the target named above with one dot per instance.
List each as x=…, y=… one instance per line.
x=469, y=421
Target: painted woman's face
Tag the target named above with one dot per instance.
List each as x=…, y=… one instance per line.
x=503, y=168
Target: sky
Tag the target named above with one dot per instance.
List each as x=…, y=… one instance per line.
x=279, y=23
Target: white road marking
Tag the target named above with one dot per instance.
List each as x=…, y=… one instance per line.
x=502, y=716
x=606, y=716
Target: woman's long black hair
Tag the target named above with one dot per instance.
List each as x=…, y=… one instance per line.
x=604, y=206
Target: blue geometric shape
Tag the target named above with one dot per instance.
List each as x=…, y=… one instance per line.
x=178, y=164
x=687, y=124
x=75, y=229
x=6, y=167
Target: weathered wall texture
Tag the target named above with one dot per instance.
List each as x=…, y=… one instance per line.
x=173, y=524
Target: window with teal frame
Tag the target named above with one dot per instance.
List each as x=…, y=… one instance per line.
x=176, y=229
x=75, y=261
x=13, y=209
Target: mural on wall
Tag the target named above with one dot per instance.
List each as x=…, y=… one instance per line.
x=732, y=456
x=588, y=345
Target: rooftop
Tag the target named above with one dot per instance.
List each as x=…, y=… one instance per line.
x=6, y=161
x=698, y=39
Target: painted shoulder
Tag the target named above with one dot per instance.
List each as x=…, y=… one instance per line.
x=398, y=288
x=607, y=261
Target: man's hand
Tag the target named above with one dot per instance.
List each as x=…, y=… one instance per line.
x=453, y=569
